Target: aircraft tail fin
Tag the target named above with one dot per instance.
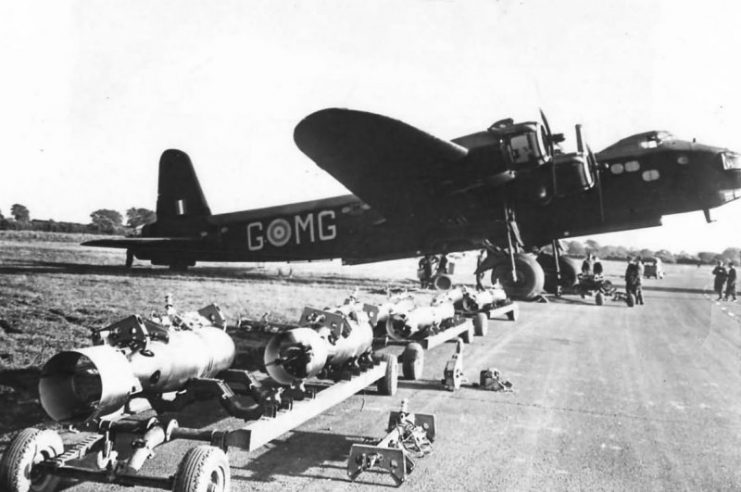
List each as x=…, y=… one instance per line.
x=179, y=194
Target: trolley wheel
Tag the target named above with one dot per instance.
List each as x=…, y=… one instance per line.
x=29, y=447
x=599, y=298
x=388, y=384
x=630, y=299
x=413, y=361
x=467, y=336
x=203, y=469
x=481, y=324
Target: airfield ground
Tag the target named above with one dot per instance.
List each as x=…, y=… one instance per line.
x=606, y=398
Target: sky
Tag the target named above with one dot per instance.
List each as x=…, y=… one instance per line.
x=93, y=92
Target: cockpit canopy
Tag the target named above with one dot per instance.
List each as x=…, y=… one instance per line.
x=641, y=141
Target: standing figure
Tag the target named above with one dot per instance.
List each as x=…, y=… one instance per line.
x=633, y=281
x=597, y=267
x=442, y=266
x=479, y=274
x=586, y=266
x=720, y=279
x=424, y=271
x=731, y=282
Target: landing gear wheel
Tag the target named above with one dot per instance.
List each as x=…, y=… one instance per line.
x=569, y=272
x=203, y=469
x=467, y=336
x=480, y=324
x=413, y=361
x=388, y=384
x=599, y=298
x=129, y=258
x=530, y=277
x=29, y=447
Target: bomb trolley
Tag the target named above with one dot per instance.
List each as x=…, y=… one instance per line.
x=471, y=312
x=38, y=459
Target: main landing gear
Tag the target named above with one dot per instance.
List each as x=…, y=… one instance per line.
x=524, y=276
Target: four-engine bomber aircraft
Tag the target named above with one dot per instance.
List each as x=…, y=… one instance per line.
x=508, y=188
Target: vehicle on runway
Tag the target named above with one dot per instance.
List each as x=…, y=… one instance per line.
x=508, y=188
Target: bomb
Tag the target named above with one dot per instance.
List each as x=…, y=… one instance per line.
x=135, y=357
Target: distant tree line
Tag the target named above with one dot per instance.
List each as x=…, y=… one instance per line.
x=102, y=221
x=579, y=250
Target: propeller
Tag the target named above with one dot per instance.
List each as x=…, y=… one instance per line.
x=598, y=178
x=546, y=133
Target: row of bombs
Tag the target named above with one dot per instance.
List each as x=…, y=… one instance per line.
x=140, y=357
x=403, y=319
x=148, y=357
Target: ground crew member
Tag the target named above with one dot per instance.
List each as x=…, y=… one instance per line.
x=442, y=267
x=586, y=266
x=480, y=275
x=424, y=271
x=731, y=282
x=597, y=267
x=641, y=267
x=720, y=279
x=426, y=267
x=633, y=281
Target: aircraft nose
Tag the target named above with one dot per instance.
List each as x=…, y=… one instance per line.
x=730, y=161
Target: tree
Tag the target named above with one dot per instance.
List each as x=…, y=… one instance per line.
x=708, y=257
x=592, y=245
x=575, y=249
x=1, y=215
x=731, y=254
x=20, y=212
x=139, y=216
x=105, y=220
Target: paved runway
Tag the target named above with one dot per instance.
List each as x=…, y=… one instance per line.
x=606, y=398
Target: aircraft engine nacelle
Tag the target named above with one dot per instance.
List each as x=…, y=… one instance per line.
x=401, y=325
x=572, y=174
x=523, y=144
x=325, y=340
x=137, y=358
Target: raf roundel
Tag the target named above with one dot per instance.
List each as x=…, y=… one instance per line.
x=279, y=232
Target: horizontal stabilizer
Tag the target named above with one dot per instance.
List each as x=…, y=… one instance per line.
x=141, y=242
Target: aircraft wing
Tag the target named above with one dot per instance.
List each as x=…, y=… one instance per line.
x=398, y=170
x=135, y=242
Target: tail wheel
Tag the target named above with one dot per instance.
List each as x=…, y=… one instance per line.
x=530, y=277
x=599, y=298
x=203, y=469
x=28, y=448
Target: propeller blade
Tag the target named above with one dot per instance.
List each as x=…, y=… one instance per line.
x=548, y=137
x=598, y=178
